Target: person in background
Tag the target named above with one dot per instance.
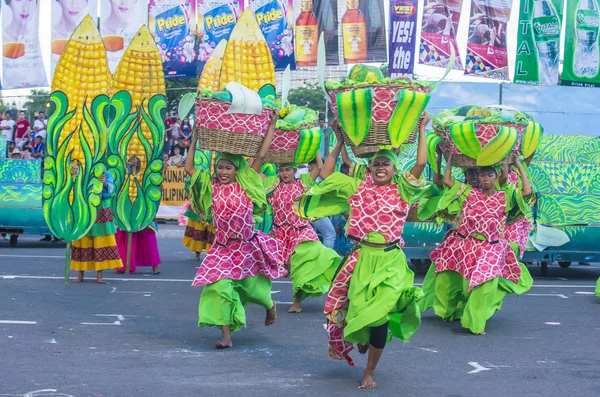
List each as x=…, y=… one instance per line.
x=22, y=130
x=323, y=225
x=7, y=126
x=40, y=126
x=26, y=153
x=325, y=132
x=175, y=134
x=176, y=160
x=186, y=135
x=38, y=148
x=16, y=154
x=165, y=160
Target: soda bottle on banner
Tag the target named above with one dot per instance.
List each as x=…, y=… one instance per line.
x=546, y=33
x=307, y=35
x=586, y=52
x=354, y=34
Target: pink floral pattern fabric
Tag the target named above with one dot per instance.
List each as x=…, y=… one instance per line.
x=240, y=251
x=477, y=260
x=517, y=232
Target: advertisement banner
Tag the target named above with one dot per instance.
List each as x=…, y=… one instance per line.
x=276, y=21
x=438, y=33
x=174, y=194
x=173, y=25
x=580, y=66
x=312, y=18
x=363, y=31
x=538, y=42
x=119, y=22
x=65, y=17
x=486, y=43
x=403, y=31
x=22, y=63
x=216, y=19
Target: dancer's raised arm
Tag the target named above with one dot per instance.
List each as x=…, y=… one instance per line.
x=329, y=166
x=190, y=168
x=314, y=173
x=448, y=181
x=266, y=145
x=526, y=189
x=419, y=166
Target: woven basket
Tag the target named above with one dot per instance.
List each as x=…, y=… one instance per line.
x=232, y=133
x=462, y=161
x=286, y=156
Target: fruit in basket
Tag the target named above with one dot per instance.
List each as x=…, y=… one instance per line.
x=365, y=73
x=506, y=116
x=499, y=147
x=477, y=113
x=354, y=113
x=211, y=74
x=463, y=110
x=408, y=110
x=310, y=142
x=531, y=138
x=295, y=116
x=247, y=58
x=464, y=138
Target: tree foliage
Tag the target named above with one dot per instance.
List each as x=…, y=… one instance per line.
x=310, y=96
x=176, y=88
x=37, y=101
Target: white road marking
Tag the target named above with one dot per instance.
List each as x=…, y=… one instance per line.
x=551, y=323
x=585, y=293
x=275, y=292
x=285, y=303
x=51, y=341
x=33, y=256
x=173, y=280
x=18, y=322
x=559, y=295
x=478, y=367
x=119, y=317
x=428, y=350
x=147, y=294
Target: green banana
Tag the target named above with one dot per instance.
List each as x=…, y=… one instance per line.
x=410, y=106
x=354, y=113
x=499, y=147
x=464, y=138
x=310, y=142
x=531, y=138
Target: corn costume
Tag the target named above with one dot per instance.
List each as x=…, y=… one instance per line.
x=241, y=263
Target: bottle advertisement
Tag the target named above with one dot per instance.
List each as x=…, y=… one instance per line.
x=438, y=33
x=314, y=17
x=486, y=40
x=538, y=42
x=363, y=31
x=581, y=44
x=276, y=21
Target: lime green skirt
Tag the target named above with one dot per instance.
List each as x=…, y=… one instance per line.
x=222, y=302
x=381, y=290
x=598, y=287
x=312, y=268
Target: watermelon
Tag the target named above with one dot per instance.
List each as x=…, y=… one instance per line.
x=365, y=73
x=499, y=147
x=506, y=116
x=464, y=138
x=478, y=113
x=267, y=92
x=463, y=110
x=310, y=142
x=408, y=110
x=531, y=138
x=295, y=116
x=354, y=113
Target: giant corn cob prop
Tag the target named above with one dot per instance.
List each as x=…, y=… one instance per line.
x=137, y=132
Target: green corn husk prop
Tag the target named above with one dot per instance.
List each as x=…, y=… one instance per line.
x=354, y=113
x=531, y=138
x=464, y=137
x=308, y=147
x=70, y=202
x=133, y=214
x=408, y=110
x=499, y=147
x=432, y=141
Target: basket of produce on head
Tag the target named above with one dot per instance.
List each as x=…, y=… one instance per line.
x=377, y=111
x=486, y=135
x=296, y=139
x=232, y=133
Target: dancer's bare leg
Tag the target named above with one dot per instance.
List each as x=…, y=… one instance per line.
x=99, y=278
x=297, y=306
x=155, y=270
x=197, y=257
x=225, y=342
x=271, y=315
x=373, y=358
x=79, y=278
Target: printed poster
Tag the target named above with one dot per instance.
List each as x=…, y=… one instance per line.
x=403, y=37
x=438, y=33
x=66, y=15
x=276, y=21
x=363, y=31
x=486, y=42
x=312, y=18
x=119, y=22
x=216, y=20
x=22, y=64
x=580, y=66
x=173, y=25
x=538, y=42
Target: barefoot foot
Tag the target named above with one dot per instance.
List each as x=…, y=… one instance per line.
x=224, y=344
x=155, y=270
x=271, y=315
x=296, y=308
x=78, y=279
x=367, y=382
x=363, y=349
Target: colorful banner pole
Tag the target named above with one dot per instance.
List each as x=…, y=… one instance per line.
x=403, y=37
x=538, y=42
x=580, y=66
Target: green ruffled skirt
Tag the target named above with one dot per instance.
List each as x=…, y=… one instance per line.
x=222, y=302
x=312, y=268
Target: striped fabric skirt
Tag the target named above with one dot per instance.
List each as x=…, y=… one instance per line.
x=98, y=249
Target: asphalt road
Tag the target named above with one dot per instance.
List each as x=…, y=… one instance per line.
x=137, y=336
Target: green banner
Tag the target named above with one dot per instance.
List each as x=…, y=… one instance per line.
x=581, y=44
x=538, y=42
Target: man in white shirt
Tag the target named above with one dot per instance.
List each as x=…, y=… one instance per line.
x=7, y=126
x=40, y=125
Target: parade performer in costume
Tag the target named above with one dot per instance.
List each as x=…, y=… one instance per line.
x=373, y=293
x=311, y=264
x=143, y=250
x=198, y=235
x=475, y=266
x=240, y=265
x=98, y=249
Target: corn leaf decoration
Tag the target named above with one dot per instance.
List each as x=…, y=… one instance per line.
x=137, y=131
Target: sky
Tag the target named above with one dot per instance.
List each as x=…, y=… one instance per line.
x=422, y=71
